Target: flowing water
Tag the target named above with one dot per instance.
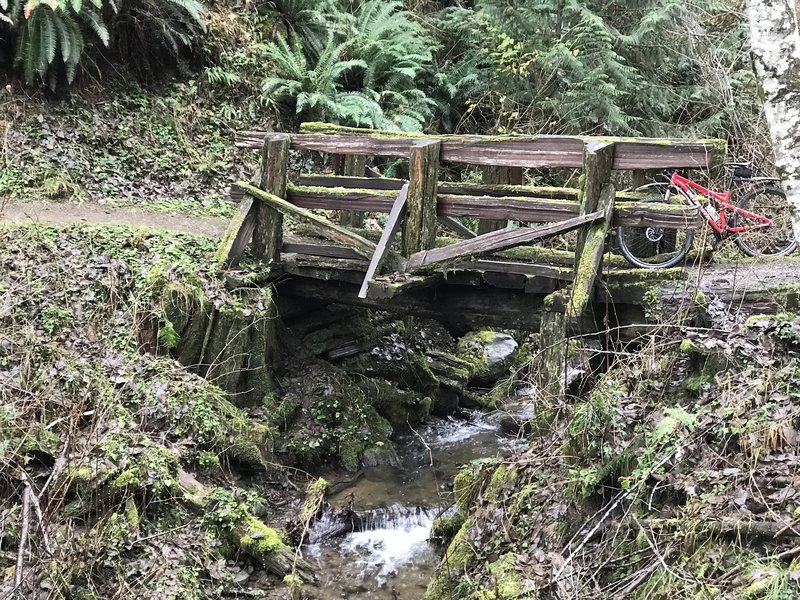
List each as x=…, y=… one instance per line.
x=388, y=555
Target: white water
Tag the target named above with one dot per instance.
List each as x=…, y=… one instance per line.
x=390, y=557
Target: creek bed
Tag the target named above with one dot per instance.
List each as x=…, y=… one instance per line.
x=390, y=557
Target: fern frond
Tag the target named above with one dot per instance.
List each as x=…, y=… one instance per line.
x=96, y=25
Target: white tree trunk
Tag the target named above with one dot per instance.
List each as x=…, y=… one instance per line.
x=776, y=56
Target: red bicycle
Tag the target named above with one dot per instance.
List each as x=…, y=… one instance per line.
x=760, y=223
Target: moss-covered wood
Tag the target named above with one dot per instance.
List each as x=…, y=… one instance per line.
x=497, y=175
x=591, y=257
x=553, y=348
x=598, y=160
x=320, y=225
x=419, y=229
x=268, y=230
x=503, y=150
x=494, y=241
x=248, y=533
x=353, y=166
x=238, y=234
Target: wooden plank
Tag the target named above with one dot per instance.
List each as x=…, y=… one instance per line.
x=502, y=266
x=534, y=210
x=591, y=257
x=551, y=360
x=314, y=249
x=268, y=230
x=353, y=166
x=445, y=187
x=496, y=240
x=457, y=226
x=396, y=284
x=494, y=176
x=238, y=234
x=391, y=228
x=598, y=159
x=419, y=228
x=322, y=226
x=519, y=151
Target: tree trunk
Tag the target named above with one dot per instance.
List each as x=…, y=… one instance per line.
x=776, y=59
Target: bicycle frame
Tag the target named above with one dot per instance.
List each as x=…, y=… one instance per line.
x=698, y=195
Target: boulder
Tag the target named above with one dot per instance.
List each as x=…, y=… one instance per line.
x=489, y=353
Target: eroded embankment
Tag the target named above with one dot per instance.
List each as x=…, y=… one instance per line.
x=675, y=477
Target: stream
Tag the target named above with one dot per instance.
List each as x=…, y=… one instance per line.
x=391, y=558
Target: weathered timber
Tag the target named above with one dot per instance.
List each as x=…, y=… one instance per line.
x=591, y=257
x=389, y=286
x=519, y=151
x=238, y=234
x=598, y=159
x=494, y=176
x=249, y=533
x=553, y=352
x=445, y=187
x=419, y=228
x=525, y=209
x=393, y=225
x=458, y=227
x=353, y=166
x=296, y=246
x=322, y=226
x=268, y=229
x=496, y=240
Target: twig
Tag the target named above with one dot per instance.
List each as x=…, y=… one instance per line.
x=424, y=443
x=23, y=537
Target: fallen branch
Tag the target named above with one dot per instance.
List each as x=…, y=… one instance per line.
x=250, y=534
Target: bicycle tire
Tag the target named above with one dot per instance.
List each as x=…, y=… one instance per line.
x=754, y=243
x=637, y=253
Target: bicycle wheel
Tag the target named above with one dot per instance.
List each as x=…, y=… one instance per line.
x=775, y=240
x=654, y=247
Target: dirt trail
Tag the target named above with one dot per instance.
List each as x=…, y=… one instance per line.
x=68, y=214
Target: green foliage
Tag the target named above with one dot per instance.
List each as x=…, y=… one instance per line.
x=52, y=37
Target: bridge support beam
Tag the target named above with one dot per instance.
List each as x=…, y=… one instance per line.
x=552, y=357
x=268, y=232
x=419, y=231
x=598, y=160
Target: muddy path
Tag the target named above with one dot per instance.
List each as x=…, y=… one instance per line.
x=52, y=213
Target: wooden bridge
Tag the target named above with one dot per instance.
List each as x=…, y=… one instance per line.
x=497, y=274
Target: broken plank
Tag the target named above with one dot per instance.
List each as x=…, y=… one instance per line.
x=387, y=287
x=322, y=226
x=389, y=231
x=496, y=240
x=591, y=256
x=238, y=234
x=455, y=225
x=291, y=246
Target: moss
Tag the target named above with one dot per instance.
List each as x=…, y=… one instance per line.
x=444, y=529
x=520, y=502
x=132, y=512
x=154, y=468
x=688, y=346
x=41, y=440
x=258, y=539
x=507, y=580
x=467, y=485
x=503, y=479
x=294, y=584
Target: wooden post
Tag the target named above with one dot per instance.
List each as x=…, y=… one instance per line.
x=268, y=232
x=590, y=260
x=644, y=177
x=419, y=231
x=353, y=166
x=501, y=176
x=552, y=356
x=598, y=160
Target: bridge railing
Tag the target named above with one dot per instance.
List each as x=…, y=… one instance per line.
x=418, y=206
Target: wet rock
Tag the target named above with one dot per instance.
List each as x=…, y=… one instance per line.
x=490, y=354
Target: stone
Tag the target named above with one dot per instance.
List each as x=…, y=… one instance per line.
x=490, y=354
